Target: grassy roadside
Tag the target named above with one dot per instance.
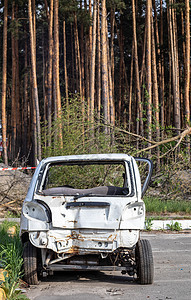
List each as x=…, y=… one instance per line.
x=166, y=210
x=11, y=261
x=159, y=207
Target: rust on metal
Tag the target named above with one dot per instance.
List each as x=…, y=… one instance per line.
x=74, y=249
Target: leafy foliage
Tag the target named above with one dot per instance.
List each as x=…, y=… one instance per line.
x=174, y=226
x=149, y=223
x=79, y=135
x=11, y=260
x=12, y=290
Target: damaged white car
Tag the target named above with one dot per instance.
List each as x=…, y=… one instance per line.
x=85, y=212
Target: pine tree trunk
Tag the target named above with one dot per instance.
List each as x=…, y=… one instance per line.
x=148, y=63
x=34, y=80
x=175, y=65
x=4, y=85
x=17, y=91
x=78, y=55
x=82, y=62
x=50, y=59
x=89, y=57
x=72, y=50
x=54, y=95
x=45, y=83
x=119, y=100
x=79, y=71
x=122, y=72
x=162, y=69
x=13, y=92
x=182, y=71
x=111, y=105
x=187, y=63
x=92, y=64
x=112, y=49
x=169, y=104
x=65, y=70
x=143, y=57
x=34, y=125
x=34, y=25
x=155, y=93
x=111, y=100
x=183, y=34
x=155, y=84
x=161, y=92
x=26, y=137
x=98, y=65
x=131, y=88
x=87, y=70
x=104, y=64
x=56, y=65
x=187, y=71
x=137, y=69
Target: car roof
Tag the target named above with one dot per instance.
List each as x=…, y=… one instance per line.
x=88, y=157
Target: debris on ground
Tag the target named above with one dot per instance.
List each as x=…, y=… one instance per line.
x=13, y=189
x=176, y=184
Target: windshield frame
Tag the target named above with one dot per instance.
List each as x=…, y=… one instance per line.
x=128, y=181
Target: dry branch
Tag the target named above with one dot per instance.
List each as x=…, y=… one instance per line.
x=128, y=132
x=180, y=136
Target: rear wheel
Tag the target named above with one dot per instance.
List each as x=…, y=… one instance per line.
x=30, y=263
x=144, y=262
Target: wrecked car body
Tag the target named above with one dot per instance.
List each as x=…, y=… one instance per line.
x=85, y=212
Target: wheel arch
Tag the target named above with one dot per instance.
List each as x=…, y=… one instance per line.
x=24, y=237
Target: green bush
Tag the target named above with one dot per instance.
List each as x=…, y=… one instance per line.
x=80, y=136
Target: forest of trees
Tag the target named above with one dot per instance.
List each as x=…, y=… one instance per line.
x=125, y=63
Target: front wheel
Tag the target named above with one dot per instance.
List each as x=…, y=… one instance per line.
x=144, y=262
x=30, y=263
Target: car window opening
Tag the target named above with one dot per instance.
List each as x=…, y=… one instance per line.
x=103, y=179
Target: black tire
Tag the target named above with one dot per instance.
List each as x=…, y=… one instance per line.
x=30, y=263
x=144, y=262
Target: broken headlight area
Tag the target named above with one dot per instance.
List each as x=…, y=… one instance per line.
x=37, y=210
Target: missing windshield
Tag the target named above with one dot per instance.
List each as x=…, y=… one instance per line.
x=84, y=179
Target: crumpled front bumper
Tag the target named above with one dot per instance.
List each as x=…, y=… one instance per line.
x=83, y=241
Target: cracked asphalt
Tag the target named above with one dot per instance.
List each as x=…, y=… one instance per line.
x=172, y=263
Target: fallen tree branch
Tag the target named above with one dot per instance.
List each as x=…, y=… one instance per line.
x=130, y=133
x=180, y=136
x=8, y=203
x=136, y=135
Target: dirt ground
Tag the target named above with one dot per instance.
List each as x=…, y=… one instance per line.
x=13, y=190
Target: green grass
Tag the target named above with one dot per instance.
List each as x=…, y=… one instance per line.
x=159, y=206
x=174, y=226
x=11, y=260
x=9, y=214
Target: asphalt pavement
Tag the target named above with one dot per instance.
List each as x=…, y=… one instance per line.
x=172, y=261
